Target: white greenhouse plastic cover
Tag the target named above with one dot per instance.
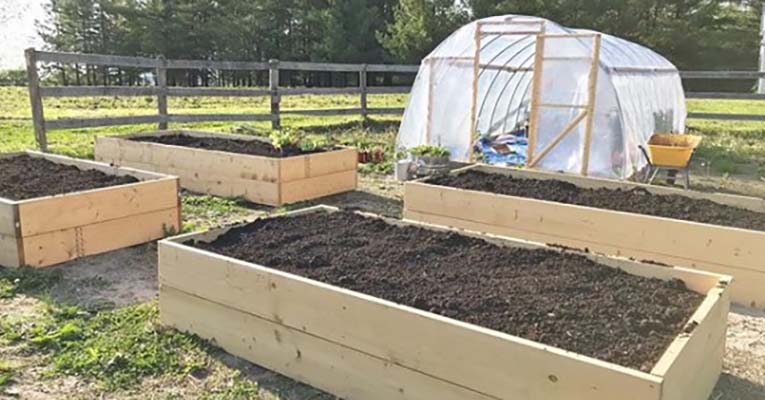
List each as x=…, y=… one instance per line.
x=638, y=93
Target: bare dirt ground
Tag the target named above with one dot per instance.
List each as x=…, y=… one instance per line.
x=130, y=276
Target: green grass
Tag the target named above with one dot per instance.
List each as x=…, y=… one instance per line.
x=731, y=147
x=115, y=348
x=16, y=132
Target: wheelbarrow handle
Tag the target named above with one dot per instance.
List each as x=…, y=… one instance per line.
x=645, y=153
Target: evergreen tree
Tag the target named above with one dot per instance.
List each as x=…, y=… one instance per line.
x=419, y=25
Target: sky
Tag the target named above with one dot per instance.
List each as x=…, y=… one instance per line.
x=18, y=30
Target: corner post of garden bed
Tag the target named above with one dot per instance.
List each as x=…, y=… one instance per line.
x=35, y=99
x=273, y=89
x=162, y=92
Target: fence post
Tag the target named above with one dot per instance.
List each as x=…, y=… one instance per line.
x=162, y=92
x=363, y=87
x=35, y=100
x=273, y=88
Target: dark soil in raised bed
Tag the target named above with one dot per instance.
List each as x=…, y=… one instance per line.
x=24, y=177
x=559, y=299
x=637, y=200
x=250, y=147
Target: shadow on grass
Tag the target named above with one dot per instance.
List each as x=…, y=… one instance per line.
x=272, y=382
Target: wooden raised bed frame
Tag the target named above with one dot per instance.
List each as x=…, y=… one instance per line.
x=264, y=180
x=357, y=346
x=49, y=230
x=725, y=250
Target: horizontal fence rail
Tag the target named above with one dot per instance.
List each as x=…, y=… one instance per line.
x=159, y=67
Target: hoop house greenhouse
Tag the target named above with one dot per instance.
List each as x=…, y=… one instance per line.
x=582, y=101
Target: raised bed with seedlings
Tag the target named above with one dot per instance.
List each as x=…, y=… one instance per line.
x=272, y=173
x=365, y=307
x=715, y=232
x=55, y=209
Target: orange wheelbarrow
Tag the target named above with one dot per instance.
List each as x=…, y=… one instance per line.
x=671, y=153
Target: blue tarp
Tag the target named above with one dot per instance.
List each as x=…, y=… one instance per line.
x=505, y=150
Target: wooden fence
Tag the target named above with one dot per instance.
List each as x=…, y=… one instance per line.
x=162, y=91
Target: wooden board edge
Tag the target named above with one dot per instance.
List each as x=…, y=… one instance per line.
x=100, y=166
x=312, y=360
x=748, y=202
x=318, y=186
x=72, y=244
x=208, y=235
x=26, y=208
x=692, y=364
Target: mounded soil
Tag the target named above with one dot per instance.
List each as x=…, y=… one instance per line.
x=249, y=147
x=556, y=298
x=24, y=177
x=637, y=200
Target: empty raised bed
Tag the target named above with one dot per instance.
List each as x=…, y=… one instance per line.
x=366, y=307
x=715, y=232
x=55, y=209
x=235, y=165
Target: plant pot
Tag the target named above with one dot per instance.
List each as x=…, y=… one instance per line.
x=378, y=155
x=431, y=165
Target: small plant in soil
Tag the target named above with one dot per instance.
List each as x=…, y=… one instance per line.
x=311, y=143
x=283, y=139
x=429, y=150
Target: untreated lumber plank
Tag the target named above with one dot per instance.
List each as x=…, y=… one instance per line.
x=323, y=364
x=317, y=164
x=10, y=256
x=53, y=213
x=8, y=217
x=688, y=370
x=317, y=186
x=69, y=244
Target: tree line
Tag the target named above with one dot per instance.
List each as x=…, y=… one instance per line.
x=694, y=34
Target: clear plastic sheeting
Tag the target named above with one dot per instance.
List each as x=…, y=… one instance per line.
x=637, y=93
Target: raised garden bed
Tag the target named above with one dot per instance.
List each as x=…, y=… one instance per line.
x=364, y=307
x=55, y=209
x=643, y=222
x=235, y=165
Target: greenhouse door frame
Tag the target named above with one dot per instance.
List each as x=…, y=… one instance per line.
x=588, y=109
x=478, y=67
